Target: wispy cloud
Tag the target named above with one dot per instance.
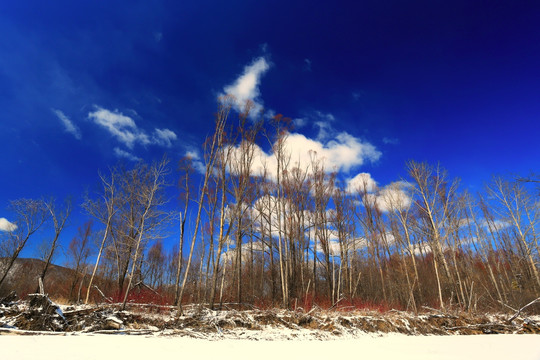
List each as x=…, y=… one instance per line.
x=496, y=225
x=68, y=124
x=325, y=130
x=122, y=127
x=326, y=117
x=299, y=122
x=246, y=86
x=357, y=95
x=307, y=65
x=390, y=141
x=164, y=137
x=323, y=121
x=126, y=131
x=125, y=154
x=5, y=225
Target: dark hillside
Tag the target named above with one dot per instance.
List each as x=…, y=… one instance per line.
x=23, y=278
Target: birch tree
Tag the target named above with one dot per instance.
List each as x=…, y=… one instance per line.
x=150, y=197
x=435, y=201
x=211, y=150
x=103, y=209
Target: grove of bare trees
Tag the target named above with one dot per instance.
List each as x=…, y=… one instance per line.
x=271, y=231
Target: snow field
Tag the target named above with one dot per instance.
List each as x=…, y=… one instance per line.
x=393, y=346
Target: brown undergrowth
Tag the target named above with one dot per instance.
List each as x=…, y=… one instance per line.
x=38, y=314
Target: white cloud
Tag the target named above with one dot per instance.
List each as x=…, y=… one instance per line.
x=196, y=162
x=5, y=225
x=125, y=130
x=496, y=225
x=193, y=154
x=266, y=207
x=339, y=154
x=421, y=248
x=164, y=137
x=361, y=182
x=68, y=124
x=231, y=254
x=333, y=246
x=246, y=86
x=394, y=197
x=465, y=222
x=126, y=155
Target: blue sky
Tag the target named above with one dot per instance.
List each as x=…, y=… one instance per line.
x=85, y=84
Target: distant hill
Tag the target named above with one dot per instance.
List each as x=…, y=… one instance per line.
x=23, y=277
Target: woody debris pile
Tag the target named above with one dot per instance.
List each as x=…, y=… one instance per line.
x=37, y=314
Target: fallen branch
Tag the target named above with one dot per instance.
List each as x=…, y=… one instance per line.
x=102, y=294
x=140, y=283
x=30, y=332
x=114, y=305
x=433, y=310
x=125, y=331
x=336, y=303
x=523, y=308
x=313, y=309
x=231, y=306
x=479, y=327
x=81, y=311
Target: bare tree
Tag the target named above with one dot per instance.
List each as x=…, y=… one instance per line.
x=323, y=187
x=186, y=167
x=212, y=146
x=370, y=218
x=435, y=203
x=59, y=218
x=283, y=158
x=241, y=168
x=78, y=252
x=155, y=262
x=223, y=158
x=343, y=224
x=518, y=208
x=399, y=204
x=126, y=223
x=149, y=195
x=30, y=215
x=103, y=209
x=296, y=197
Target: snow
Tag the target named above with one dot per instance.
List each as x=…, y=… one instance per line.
x=394, y=346
x=114, y=319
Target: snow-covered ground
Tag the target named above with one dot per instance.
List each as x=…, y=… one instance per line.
x=393, y=346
